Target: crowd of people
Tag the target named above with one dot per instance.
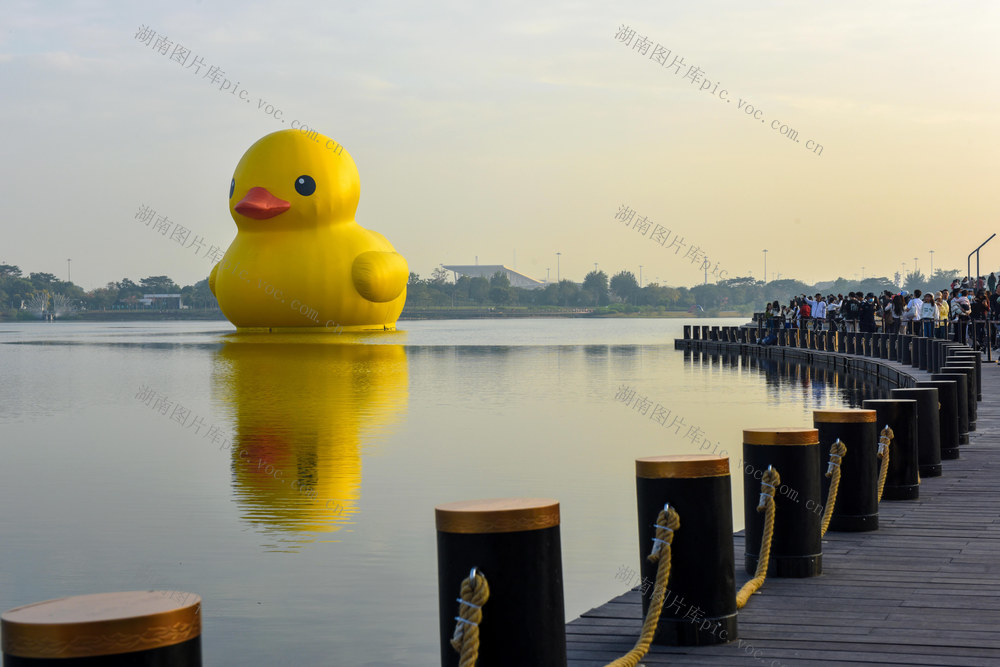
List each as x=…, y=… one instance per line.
x=964, y=312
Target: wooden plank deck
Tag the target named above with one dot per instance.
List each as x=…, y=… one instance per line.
x=924, y=589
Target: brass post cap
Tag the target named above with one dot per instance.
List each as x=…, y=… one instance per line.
x=682, y=466
x=845, y=416
x=781, y=436
x=101, y=624
x=497, y=515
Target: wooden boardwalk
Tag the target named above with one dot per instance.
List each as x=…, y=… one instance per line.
x=924, y=589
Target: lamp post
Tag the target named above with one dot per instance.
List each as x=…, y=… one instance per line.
x=557, y=266
x=765, y=266
x=932, y=263
x=68, y=273
x=640, y=275
x=862, y=273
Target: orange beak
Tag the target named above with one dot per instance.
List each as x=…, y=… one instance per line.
x=260, y=204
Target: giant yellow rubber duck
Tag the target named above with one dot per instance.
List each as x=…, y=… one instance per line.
x=300, y=262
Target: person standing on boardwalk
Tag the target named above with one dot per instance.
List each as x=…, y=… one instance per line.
x=928, y=315
x=941, y=301
x=963, y=311
x=817, y=311
x=833, y=315
x=913, y=308
x=805, y=312
x=979, y=310
x=866, y=314
x=893, y=313
x=993, y=301
x=849, y=309
x=953, y=311
x=991, y=282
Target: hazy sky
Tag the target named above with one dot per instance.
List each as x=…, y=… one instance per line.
x=485, y=130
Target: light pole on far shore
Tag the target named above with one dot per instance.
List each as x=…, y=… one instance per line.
x=557, y=266
x=932, y=262
x=765, y=266
x=69, y=278
x=640, y=275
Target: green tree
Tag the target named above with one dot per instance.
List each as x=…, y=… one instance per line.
x=461, y=290
x=625, y=286
x=596, y=285
x=499, y=279
x=569, y=293
x=102, y=298
x=550, y=295
x=439, y=276
x=158, y=285
x=915, y=280
x=943, y=278
x=479, y=289
x=43, y=281
x=500, y=288
x=199, y=295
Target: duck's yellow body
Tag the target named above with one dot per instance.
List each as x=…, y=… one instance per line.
x=300, y=262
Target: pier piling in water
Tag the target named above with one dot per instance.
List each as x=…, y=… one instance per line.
x=856, y=507
x=901, y=480
x=514, y=543
x=928, y=428
x=796, y=547
x=702, y=561
x=126, y=629
x=947, y=415
x=962, y=396
x=969, y=371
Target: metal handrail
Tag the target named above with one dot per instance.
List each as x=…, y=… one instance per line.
x=968, y=260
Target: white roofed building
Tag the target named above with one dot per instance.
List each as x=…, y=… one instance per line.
x=489, y=270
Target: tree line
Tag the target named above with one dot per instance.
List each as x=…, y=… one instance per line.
x=19, y=292
x=620, y=292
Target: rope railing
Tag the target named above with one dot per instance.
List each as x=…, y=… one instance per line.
x=667, y=521
x=837, y=452
x=770, y=480
x=884, y=440
x=475, y=592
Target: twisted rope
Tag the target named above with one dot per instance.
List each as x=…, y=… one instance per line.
x=768, y=482
x=884, y=440
x=474, y=594
x=837, y=452
x=667, y=521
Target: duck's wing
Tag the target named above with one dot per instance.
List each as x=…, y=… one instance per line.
x=379, y=276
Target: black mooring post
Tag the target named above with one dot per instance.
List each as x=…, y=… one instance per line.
x=702, y=559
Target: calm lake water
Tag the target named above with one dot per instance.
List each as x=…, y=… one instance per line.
x=121, y=468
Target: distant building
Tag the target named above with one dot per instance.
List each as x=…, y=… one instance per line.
x=162, y=301
x=489, y=270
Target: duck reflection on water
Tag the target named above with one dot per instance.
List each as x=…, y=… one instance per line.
x=303, y=407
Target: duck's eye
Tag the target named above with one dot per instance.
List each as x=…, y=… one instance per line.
x=232, y=188
x=305, y=185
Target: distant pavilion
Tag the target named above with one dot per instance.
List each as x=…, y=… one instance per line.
x=489, y=270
